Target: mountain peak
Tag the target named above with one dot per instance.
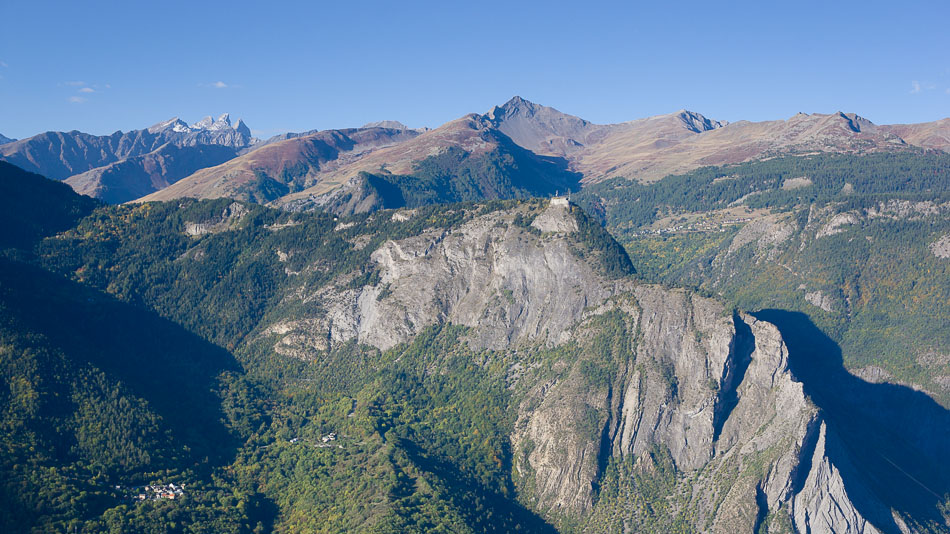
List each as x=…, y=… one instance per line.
x=855, y=121
x=203, y=124
x=392, y=125
x=223, y=123
x=542, y=129
x=697, y=122
x=174, y=124
x=516, y=106
x=241, y=128
x=4, y=139
x=516, y=101
x=519, y=107
x=208, y=123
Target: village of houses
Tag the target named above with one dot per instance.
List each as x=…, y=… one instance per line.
x=172, y=491
x=155, y=492
x=713, y=221
x=325, y=441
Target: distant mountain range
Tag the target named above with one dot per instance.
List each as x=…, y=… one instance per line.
x=4, y=139
x=126, y=165
x=651, y=148
x=317, y=168
x=336, y=169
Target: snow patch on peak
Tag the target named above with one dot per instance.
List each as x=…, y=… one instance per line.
x=222, y=123
x=203, y=124
x=207, y=124
x=174, y=124
x=211, y=124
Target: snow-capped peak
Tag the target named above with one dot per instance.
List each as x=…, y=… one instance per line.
x=203, y=124
x=207, y=124
x=174, y=124
x=221, y=123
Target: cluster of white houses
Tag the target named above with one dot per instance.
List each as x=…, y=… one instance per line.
x=325, y=441
x=695, y=227
x=160, y=491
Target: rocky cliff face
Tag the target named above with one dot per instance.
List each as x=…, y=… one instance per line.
x=609, y=376
x=509, y=284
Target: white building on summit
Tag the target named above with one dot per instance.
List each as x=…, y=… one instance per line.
x=561, y=200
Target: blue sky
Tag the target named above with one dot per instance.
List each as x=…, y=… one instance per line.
x=291, y=66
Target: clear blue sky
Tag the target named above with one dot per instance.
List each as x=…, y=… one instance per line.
x=291, y=66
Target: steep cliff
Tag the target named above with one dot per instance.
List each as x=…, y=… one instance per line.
x=634, y=406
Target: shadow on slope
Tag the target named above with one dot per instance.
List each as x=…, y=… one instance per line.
x=898, y=438
x=729, y=393
x=486, y=509
x=454, y=175
x=156, y=360
x=33, y=207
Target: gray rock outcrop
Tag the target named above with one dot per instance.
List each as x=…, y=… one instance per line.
x=676, y=376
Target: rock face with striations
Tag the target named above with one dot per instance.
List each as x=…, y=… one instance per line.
x=489, y=274
x=637, y=375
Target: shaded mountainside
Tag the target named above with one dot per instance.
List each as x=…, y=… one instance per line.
x=34, y=207
x=101, y=398
x=470, y=367
x=891, y=433
x=454, y=175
